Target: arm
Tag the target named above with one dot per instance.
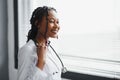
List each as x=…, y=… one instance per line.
x=41, y=51
x=27, y=70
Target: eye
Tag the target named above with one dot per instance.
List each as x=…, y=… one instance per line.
x=51, y=21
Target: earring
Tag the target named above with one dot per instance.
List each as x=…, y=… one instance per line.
x=57, y=37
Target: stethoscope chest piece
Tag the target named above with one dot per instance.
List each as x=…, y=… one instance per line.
x=64, y=70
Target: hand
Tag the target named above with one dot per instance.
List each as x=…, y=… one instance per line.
x=41, y=52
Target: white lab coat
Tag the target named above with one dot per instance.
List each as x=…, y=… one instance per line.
x=27, y=69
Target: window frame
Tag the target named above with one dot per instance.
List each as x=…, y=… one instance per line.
x=16, y=29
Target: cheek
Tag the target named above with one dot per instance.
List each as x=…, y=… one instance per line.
x=50, y=26
x=42, y=28
x=49, y=30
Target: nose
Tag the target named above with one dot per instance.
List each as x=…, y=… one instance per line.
x=57, y=25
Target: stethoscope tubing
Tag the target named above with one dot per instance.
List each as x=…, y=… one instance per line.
x=64, y=69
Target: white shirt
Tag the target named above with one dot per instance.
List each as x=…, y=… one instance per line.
x=27, y=69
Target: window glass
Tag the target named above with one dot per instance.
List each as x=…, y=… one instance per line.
x=89, y=36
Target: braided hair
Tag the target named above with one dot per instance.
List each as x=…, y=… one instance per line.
x=37, y=16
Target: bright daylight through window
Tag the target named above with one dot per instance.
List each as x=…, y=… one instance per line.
x=89, y=37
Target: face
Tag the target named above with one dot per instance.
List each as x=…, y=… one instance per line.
x=53, y=25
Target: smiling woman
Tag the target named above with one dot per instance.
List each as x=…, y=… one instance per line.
x=37, y=60
x=90, y=33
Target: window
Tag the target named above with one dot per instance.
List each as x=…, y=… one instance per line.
x=89, y=36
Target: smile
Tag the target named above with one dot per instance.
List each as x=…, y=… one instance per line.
x=54, y=31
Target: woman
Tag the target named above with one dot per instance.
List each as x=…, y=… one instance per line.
x=37, y=60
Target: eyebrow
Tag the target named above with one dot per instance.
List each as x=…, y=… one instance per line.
x=53, y=18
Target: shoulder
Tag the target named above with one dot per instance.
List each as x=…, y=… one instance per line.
x=28, y=48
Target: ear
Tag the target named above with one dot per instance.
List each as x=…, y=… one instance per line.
x=36, y=22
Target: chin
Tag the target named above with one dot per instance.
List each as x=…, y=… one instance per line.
x=54, y=36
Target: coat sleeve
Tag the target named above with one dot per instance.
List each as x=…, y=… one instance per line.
x=27, y=69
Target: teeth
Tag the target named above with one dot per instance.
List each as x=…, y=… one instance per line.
x=54, y=31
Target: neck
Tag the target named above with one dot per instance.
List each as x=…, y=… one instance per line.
x=41, y=39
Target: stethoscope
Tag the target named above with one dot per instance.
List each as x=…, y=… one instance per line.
x=64, y=69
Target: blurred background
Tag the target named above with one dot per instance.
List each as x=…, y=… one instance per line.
x=88, y=43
